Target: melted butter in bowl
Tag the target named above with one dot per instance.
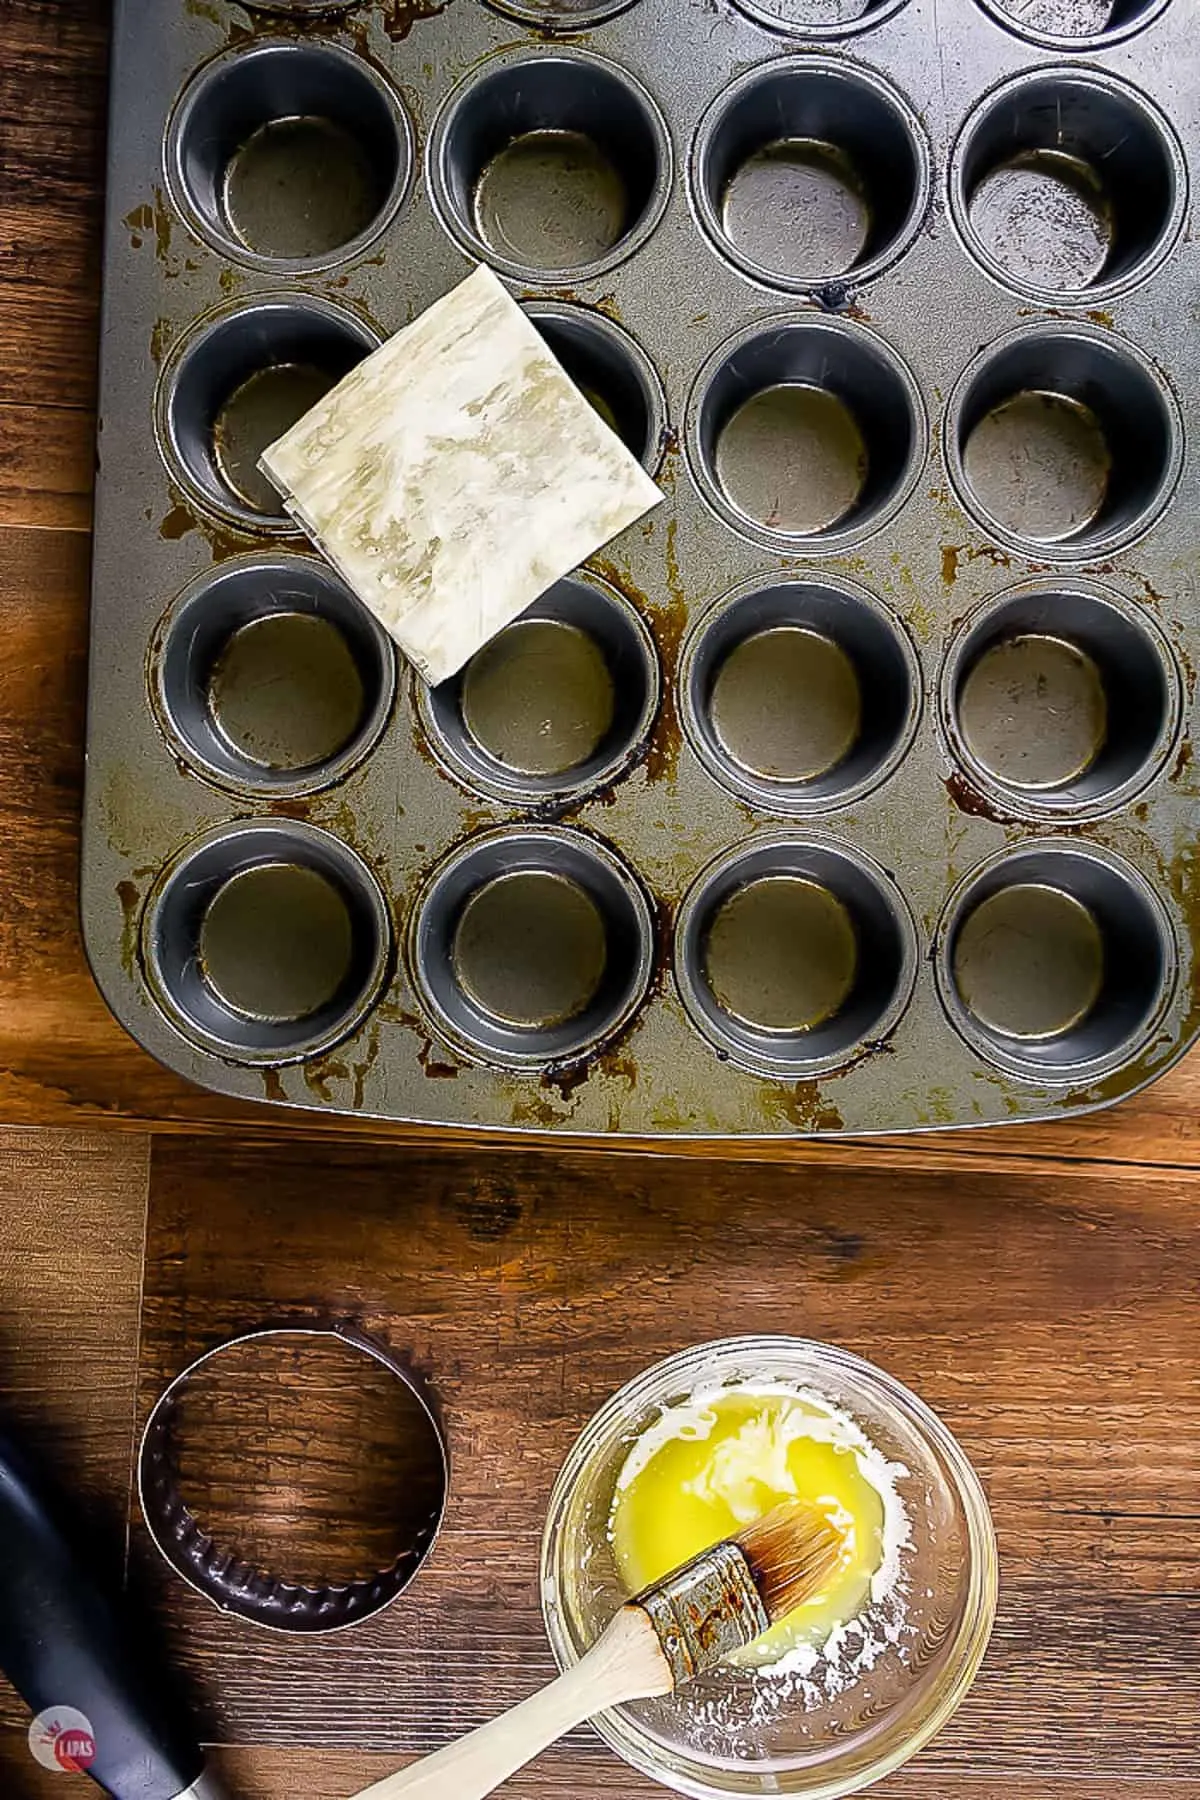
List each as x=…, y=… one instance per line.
x=849, y=1686
x=714, y=1464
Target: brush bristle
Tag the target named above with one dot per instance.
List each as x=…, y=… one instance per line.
x=791, y=1554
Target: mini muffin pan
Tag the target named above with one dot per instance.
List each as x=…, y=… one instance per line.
x=852, y=789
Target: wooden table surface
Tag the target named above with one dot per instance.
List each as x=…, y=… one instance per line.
x=1040, y=1287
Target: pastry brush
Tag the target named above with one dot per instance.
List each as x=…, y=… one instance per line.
x=696, y=1617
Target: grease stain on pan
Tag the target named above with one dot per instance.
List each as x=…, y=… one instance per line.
x=400, y=17
x=152, y=219
x=273, y=1088
x=954, y=555
x=319, y=1075
x=668, y=622
x=179, y=520
x=130, y=897
x=801, y=1105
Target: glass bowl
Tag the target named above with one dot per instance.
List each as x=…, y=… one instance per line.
x=897, y=1674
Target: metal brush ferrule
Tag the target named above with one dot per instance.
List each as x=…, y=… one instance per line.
x=704, y=1613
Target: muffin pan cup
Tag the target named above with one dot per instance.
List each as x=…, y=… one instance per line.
x=550, y=164
x=269, y=678
x=281, y=969
x=1068, y=185
x=291, y=155
x=1064, y=441
x=832, y=462
x=557, y=706
x=819, y=968
x=800, y=695
x=919, y=600
x=806, y=139
x=1056, y=961
x=532, y=948
x=613, y=371
x=1076, y=24
x=235, y=383
x=1061, y=700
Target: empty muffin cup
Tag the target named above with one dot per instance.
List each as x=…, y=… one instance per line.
x=531, y=948
x=560, y=15
x=289, y=154
x=805, y=171
x=268, y=676
x=1067, y=184
x=1061, y=701
x=792, y=955
x=558, y=704
x=299, y=7
x=611, y=370
x=266, y=940
x=551, y=163
x=1056, y=961
x=805, y=434
x=1063, y=440
x=799, y=695
x=819, y=18
x=239, y=381
x=1075, y=24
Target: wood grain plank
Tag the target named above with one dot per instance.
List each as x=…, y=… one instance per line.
x=272, y=1774
x=47, y=459
x=53, y=77
x=1054, y=1323
x=72, y=1220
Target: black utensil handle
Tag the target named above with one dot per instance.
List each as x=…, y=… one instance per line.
x=62, y=1645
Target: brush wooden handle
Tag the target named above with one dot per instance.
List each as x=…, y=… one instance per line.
x=625, y=1663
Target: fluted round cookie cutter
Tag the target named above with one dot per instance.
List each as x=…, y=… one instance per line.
x=237, y=1586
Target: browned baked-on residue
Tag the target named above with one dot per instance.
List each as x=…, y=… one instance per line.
x=969, y=800
x=139, y=223
x=1183, y=760
x=532, y=1107
x=272, y=1081
x=1183, y=877
x=181, y=519
x=131, y=907
x=566, y=1078
x=435, y=1069
x=954, y=555
x=619, y=1068
x=160, y=339
x=162, y=227
x=801, y=1104
x=398, y=17
x=178, y=522
x=668, y=623
x=318, y=1075
x=360, y=1070
x=392, y=1011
